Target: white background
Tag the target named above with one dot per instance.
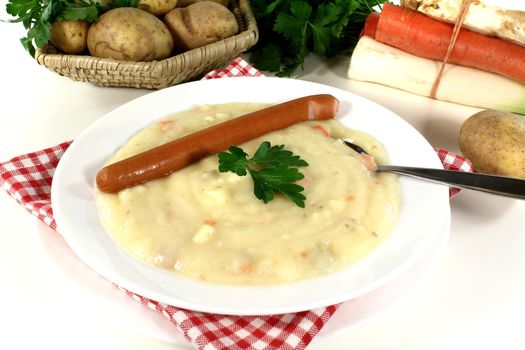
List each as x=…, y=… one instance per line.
x=474, y=299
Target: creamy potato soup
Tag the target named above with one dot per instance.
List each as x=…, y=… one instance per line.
x=209, y=225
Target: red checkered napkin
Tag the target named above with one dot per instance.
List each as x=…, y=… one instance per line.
x=27, y=178
x=452, y=161
x=237, y=68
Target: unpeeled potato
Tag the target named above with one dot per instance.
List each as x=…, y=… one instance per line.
x=69, y=36
x=156, y=7
x=200, y=24
x=495, y=143
x=129, y=34
x=184, y=3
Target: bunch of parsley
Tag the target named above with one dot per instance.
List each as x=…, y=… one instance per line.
x=290, y=29
x=37, y=16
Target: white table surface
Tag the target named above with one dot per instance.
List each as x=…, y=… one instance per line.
x=474, y=299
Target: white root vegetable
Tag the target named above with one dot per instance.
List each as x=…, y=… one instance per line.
x=481, y=17
x=375, y=62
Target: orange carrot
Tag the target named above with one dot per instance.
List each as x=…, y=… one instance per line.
x=209, y=222
x=246, y=268
x=166, y=125
x=368, y=161
x=426, y=37
x=370, y=27
x=322, y=129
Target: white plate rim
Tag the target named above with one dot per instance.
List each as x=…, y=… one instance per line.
x=345, y=320
x=229, y=301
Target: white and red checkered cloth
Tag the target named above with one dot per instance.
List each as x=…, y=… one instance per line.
x=28, y=178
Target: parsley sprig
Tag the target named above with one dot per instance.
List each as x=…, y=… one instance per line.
x=290, y=29
x=37, y=16
x=272, y=168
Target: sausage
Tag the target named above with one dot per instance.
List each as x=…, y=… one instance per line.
x=165, y=159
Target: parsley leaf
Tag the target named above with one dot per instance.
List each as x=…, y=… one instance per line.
x=37, y=16
x=272, y=156
x=236, y=161
x=278, y=179
x=272, y=168
x=290, y=29
x=89, y=12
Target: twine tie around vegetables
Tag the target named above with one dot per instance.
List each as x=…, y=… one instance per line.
x=457, y=27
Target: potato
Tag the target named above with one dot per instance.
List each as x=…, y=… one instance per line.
x=156, y=7
x=69, y=36
x=495, y=143
x=184, y=3
x=129, y=34
x=200, y=24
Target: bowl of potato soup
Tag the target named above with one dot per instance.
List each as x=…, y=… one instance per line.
x=210, y=237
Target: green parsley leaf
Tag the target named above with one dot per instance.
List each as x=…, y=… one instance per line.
x=269, y=59
x=236, y=161
x=301, y=10
x=290, y=29
x=40, y=32
x=278, y=179
x=272, y=168
x=321, y=36
x=37, y=16
x=87, y=13
x=272, y=156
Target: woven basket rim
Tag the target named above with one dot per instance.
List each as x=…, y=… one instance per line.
x=112, y=72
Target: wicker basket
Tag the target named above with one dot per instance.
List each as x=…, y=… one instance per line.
x=156, y=74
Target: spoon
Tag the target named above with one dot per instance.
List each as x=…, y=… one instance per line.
x=500, y=185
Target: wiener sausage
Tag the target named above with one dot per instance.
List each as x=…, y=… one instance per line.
x=165, y=159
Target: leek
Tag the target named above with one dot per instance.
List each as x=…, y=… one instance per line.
x=376, y=62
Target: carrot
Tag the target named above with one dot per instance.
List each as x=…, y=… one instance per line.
x=166, y=126
x=368, y=161
x=426, y=37
x=501, y=22
x=322, y=129
x=246, y=268
x=370, y=26
x=209, y=222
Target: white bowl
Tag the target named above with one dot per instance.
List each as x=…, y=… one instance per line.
x=424, y=213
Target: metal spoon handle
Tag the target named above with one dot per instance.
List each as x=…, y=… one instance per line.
x=499, y=185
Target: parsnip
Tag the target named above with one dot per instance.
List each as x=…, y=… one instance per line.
x=481, y=17
x=379, y=63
